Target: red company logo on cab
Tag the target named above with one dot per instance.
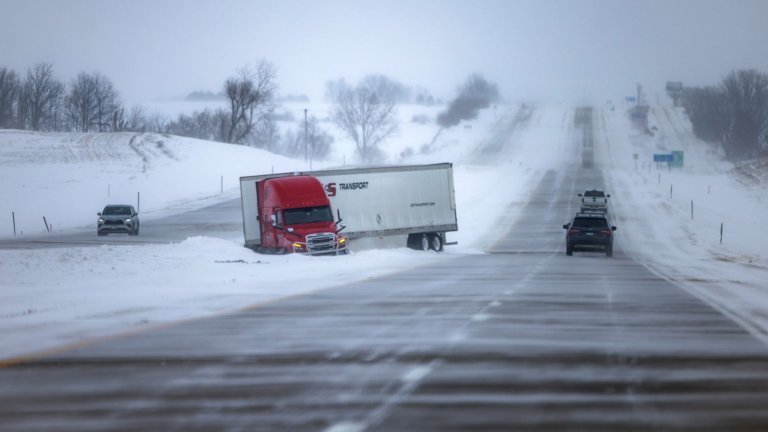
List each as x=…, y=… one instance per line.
x=330, y=189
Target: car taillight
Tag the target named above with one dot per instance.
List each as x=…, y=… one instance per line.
x=606, y=232
x=573, y=231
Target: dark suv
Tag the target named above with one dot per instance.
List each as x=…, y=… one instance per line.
x=589, y=231
x=118, y=218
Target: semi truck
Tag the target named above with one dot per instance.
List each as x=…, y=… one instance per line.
x=414, y=202
x=287, y=213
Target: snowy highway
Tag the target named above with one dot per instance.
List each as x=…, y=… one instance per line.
x=219, y=219
x=521, y=337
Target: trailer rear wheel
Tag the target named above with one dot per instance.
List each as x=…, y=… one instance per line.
x=424, y=243
x=436, y=242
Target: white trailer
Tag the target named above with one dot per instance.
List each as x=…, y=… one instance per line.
x=414, y=200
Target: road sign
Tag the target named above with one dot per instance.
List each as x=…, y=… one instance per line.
x=662, y=157
x=677, y=159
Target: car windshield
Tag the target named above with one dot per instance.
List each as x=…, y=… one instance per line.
x=590, y=222
x=117, y=211
x=308, y=215
x=594, y=193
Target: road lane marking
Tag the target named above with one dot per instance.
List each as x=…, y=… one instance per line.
x=346, y=426
x=417, y=373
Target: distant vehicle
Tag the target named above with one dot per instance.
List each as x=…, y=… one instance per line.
x=587, y=158
x=589, y=231
x=594, y=200
x=118, y=218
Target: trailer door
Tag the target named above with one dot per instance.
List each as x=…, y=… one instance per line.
x=249, y=200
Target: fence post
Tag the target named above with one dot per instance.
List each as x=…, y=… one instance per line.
x=47, y=228
x=13, y=216
x=670, y=191
x=691, y=209
x=721, y=233
x=138, y=202
x=222, y=184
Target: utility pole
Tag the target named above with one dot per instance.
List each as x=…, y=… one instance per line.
x=306, y=151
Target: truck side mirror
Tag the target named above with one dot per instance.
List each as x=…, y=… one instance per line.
x=339, y=227
x=273, y=219
x=608, y=196
x=580, y=195
x=98, y=214
x=565, y=226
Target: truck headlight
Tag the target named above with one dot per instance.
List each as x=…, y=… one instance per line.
x=128, y=220
x=342, y=241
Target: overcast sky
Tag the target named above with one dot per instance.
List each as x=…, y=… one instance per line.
x=560, y=50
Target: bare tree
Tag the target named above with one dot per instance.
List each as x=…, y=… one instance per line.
x=335, y=88
x=475, y=94
x=251, y=98
x=318, y=142
x=136, y=121
x=40, y=101
x=107, y=101
x=747, y=94
x=156, y=122
x=708, y=111
x=9, y=93
x=366, y=117
x=387, y=88
x=266, y=134
x=80, y=102
x=92, y=103
x=199, y=124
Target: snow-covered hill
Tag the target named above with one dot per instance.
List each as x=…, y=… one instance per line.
x=69, y=177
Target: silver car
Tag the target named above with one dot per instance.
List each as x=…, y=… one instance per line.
x=118, y=218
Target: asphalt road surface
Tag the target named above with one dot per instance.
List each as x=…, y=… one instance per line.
x=221, y=219
x=521, y=338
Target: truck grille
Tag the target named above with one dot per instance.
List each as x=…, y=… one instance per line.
x=321, y=243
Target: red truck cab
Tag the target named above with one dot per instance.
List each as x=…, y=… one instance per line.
x=295, y=216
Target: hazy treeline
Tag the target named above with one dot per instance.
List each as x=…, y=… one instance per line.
x=733, y=113
x=37, y=100
x=366, y=112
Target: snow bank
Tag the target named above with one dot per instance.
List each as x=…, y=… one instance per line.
x=57, y=297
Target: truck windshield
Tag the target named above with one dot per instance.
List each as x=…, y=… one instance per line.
x=594, y=193
x=308, y=215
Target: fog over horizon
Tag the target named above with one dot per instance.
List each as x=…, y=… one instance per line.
x=582, y=51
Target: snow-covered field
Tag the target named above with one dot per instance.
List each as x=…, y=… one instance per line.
x=52, y=298
x=671, y=219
